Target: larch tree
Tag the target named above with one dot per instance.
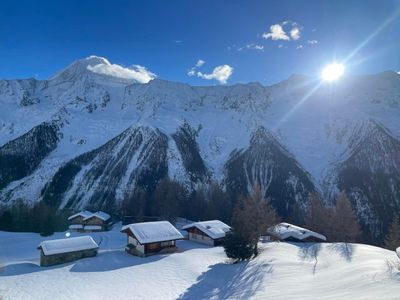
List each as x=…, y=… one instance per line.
x=318, y=217
x=252, y=216
x=392, y=239
x=344, y=224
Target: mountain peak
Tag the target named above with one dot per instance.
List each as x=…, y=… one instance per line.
x=100, y=68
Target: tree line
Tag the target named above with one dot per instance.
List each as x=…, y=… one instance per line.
x=249, y=214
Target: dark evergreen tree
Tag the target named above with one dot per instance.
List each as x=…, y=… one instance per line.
x=238, y=248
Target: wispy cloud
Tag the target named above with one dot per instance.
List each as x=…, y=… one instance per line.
x=251, y=46
x=312, y=42
x=199, y=63
x=299, y=47
x=295, y=33
x=136, y=72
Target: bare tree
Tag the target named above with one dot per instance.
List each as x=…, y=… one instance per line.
x=392, y=239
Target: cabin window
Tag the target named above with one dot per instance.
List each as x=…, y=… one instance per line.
x=152, y=246
x=166, y=244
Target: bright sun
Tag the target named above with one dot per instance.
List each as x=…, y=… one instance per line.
x=332, y=72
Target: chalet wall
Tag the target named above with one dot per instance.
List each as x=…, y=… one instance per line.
x=134, y=242
x=76, y=220
x=49, y=260
x=95, y=221
x=201, y=238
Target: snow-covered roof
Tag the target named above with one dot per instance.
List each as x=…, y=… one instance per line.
x=83, y=214
x=99, y=214
x=213, y=228
x=76, y=226
x=68, y=245
x=286, y=230
x=153, y=232
x=92, y=227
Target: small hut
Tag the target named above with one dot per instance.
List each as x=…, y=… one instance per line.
x=97, y=221
x=60, y=251
x=293, y=233
x=76, y=220
x=207, y=232
x=149, y=238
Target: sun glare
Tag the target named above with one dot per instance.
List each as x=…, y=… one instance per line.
x=332, y=72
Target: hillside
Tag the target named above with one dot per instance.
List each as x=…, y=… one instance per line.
x=82, y=138
x=281, y=271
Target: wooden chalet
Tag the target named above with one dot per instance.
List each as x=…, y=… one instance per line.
x=207, y=232
x=60, y=251
x=149, y=238
x=98, y=221
x=293, y=233
x=76, y=221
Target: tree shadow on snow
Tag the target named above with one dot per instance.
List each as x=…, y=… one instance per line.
x=113, y=260
x=345, y=250
x=224, y=281
x=309, y=251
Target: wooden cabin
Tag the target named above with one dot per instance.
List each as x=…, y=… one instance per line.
x=76, y=221
x=98, y=221
x=293, y=233
x=207, y=232
x=149, y=238
x=60, y=251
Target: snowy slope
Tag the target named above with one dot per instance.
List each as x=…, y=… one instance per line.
x=281, y=271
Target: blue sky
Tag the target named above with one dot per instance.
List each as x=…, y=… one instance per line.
x=38, y=38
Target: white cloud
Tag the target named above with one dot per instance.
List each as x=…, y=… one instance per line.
x=299, y=47
x=252, y=46
x=136, y=72
x=220, y=73
x=312, y=42
x=276, y=33
x=295, y=33
x=199, y=63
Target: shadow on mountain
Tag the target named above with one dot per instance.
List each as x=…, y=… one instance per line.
x=223, y=281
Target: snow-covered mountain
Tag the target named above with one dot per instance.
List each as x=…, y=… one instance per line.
x=91, y=132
